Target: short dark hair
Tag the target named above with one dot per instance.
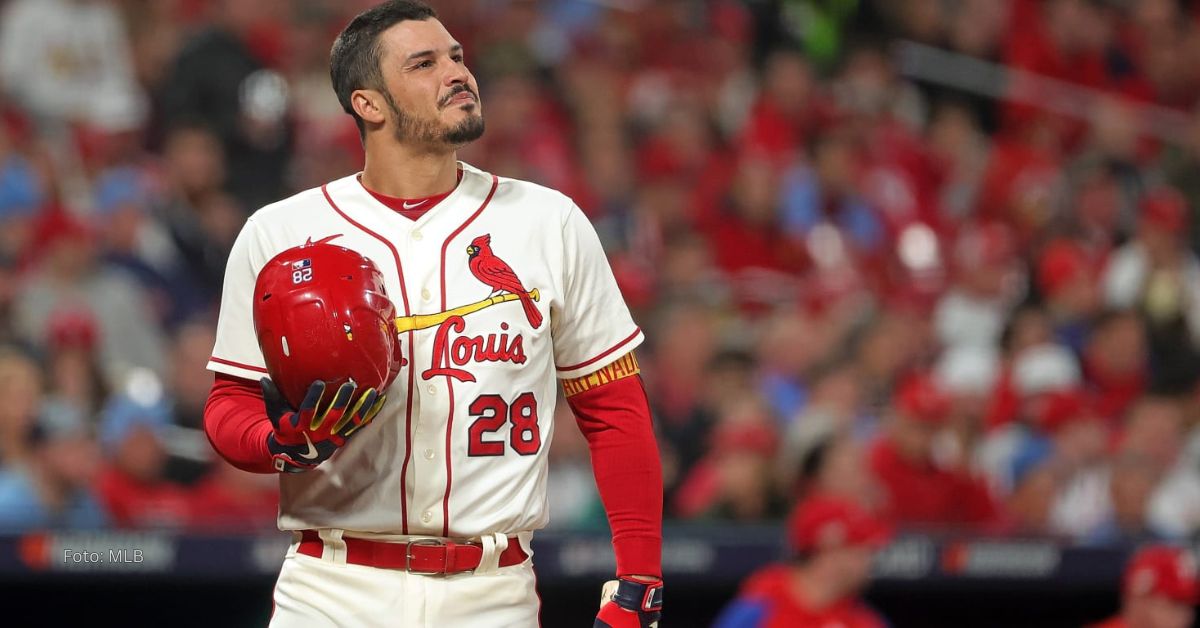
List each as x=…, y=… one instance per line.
x=354, y=59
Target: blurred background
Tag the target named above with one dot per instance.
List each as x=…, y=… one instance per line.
x=936, y=258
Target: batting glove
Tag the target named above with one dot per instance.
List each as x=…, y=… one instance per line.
x=630, y=604
x=305, y=438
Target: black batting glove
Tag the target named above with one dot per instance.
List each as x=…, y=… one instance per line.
x=304, y=438
x=628, y=603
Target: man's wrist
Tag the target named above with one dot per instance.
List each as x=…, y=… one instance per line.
x=645, y=579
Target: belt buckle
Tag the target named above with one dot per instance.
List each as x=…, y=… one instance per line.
x=408, y=556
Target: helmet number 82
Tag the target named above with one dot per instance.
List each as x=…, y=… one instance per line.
x=302, y=275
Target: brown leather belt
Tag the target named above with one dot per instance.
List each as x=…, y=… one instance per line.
x=423, y=556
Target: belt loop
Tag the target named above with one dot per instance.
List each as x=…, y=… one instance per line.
x=297, y=536
x=335, y=547
x=525, y=538
x=493, y=546
x=485, y=559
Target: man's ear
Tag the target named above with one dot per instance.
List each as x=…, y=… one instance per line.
x=369, y=105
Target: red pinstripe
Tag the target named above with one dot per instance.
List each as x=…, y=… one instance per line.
x=449, y=380
x=407, y=312
x=536, y=592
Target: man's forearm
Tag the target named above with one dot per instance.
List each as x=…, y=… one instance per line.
x=615, y=419
x=236, y=423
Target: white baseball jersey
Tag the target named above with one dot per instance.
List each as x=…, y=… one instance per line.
x=459, y=449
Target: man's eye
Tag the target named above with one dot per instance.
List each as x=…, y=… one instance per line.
x=425, y=64
x=457, y=58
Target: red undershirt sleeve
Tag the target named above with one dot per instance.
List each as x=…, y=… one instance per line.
x=236, y=423
x=615, y=419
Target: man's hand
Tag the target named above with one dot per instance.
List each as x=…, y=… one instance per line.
x=307, y=437
x=628, y=603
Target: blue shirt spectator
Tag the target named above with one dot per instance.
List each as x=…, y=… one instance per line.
x=22, y=508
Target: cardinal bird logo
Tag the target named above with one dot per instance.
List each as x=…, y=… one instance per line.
x=497, y=275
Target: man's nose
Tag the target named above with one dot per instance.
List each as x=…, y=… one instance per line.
x=457, y=74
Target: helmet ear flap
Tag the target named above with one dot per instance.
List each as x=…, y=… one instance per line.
x=321, y=313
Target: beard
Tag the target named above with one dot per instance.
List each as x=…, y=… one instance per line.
x=410, y=129
x=466, y=131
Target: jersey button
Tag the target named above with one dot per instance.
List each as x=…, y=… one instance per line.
x=432, y=389
x=426, y=517
x=429, y=454
x=416, y=235
x=425, y=294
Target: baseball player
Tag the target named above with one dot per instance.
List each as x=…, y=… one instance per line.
x=419, y=511
x=1160, y=590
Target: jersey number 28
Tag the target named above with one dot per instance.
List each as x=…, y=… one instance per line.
x=525, y=437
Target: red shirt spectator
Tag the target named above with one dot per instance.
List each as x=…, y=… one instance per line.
x=233, y=499
x=135, y=503
x=833, y=541
x=1018, y=187
x=741, y=246
x=131, y=485
x=1115, y=363
x=787, y=111
x=1057, y=40
x=918, y=491
x=749, y=236
x=921, y=493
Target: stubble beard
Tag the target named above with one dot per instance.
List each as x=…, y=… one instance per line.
x=411, y=130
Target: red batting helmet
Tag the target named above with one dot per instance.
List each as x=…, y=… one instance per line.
x=321, y=313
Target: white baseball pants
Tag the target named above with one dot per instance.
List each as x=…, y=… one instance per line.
x=327, y=592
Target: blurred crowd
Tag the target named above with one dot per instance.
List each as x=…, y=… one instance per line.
x=957, y=310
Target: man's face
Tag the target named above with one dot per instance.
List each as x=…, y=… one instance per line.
x=847, y=568
x=72, y=460
x=1131, y=486
x=432, y=96
x=1156, y=611
x=914, y=438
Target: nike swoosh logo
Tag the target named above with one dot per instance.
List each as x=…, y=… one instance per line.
x=414, y=205
x=312, y=451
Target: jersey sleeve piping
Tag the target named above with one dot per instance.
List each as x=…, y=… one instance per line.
x=237, y=369
x=602, y=359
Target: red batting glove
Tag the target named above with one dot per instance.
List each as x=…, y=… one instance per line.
x=306, y=437
x=629, y=603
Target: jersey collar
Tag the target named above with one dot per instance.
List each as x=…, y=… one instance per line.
x=466, y=196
